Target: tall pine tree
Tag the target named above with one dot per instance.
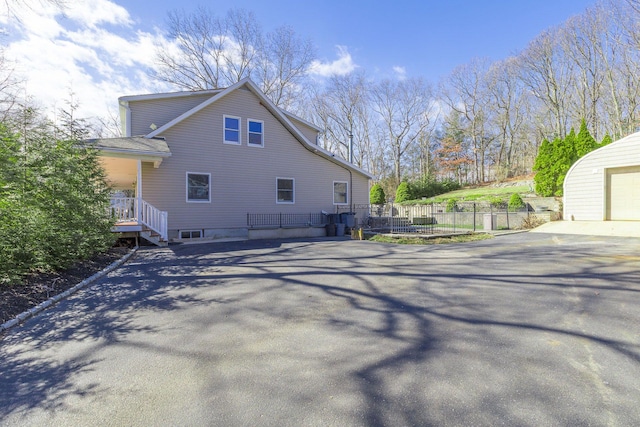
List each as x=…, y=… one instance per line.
x=544, y=179
x=564, y=156
x=585, y=143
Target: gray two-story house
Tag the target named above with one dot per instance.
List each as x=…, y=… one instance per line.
x=223, y=163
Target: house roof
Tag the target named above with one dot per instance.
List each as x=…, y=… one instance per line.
x=279, y=114
x=165, y=95
x=132, y=145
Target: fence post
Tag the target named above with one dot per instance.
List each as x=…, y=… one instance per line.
x=280, y=220
x=508, y=227
x=455, y=208
x=392, y=221
x=474, y=217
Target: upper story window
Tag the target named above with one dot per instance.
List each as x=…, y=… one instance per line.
x=285, y=190
x=340, y=193
x=231, y=130
x=255, y=130
x=198, y=187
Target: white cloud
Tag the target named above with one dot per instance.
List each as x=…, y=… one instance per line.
x=95, y=12
x=401, y=72
x=341, y=66
x=88, y=48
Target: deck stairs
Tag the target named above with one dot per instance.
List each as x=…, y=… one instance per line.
x=135, y=215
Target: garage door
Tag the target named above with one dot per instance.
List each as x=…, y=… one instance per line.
x=623, y=194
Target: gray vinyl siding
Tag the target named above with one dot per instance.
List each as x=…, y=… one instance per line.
x=585, y=183
x=243, y=177
x=309, y=132
x=160, y=111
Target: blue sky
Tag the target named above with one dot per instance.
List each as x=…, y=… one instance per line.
x=101, y=49
x=428, y=38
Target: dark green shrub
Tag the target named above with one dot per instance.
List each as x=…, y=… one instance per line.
x=377, y=196
x=402, y=193
x=54, y=203
x=497, y=202
x=430, y=188
x=449, y=185
x=515, y=202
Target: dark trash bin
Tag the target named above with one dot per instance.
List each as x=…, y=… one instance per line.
x=348, y=219
x=333, y=218
x=340, y=229
x=331, y=230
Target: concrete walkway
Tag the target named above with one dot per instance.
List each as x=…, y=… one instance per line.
x=592, y=228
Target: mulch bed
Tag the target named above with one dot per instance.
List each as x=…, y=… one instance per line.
x=37, y=288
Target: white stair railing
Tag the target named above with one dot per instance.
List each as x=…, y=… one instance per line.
x=126, y=209
x=153, y=218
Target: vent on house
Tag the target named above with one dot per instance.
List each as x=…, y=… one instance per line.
x=190, y=234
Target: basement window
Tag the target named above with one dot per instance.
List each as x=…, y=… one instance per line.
x=190, y=234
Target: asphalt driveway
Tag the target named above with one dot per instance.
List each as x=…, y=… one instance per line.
x=524, y=329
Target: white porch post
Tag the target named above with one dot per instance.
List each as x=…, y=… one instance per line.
x=139, y=189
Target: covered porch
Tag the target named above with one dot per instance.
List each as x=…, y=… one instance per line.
x=122, y=160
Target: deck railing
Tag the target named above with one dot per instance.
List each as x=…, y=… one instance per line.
x=135, y=209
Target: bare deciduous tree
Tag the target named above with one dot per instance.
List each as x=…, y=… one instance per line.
x=209, y=52
x=284, y=61
x=468, y=94
x=548, y=75
x=404, y=108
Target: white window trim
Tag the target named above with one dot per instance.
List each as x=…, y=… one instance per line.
x=293, y=195
x=249, y=133
x=224, y=129
x=187, y=187
x=333, y=188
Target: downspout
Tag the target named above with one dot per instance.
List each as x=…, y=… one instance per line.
x=139, y=190
x=350, y=189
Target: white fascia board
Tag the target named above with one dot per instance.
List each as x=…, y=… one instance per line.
x=282, y=116
x=195, y=109
x=166, y=95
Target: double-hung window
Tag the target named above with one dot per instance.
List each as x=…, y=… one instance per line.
x=286, y=189
x=340, y=193
x=231, y=130
x=255, y=132
x=198, y=187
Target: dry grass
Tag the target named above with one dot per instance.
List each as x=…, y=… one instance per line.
x=404, y=240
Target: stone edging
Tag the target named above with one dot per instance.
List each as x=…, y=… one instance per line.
x=56, y=298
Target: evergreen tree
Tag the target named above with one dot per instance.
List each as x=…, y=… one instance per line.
x=606, y=140
x=564, y=155
x=377, y=196
x=402, y=193
x=54, y=202
x=544, y=180
x=585, y=143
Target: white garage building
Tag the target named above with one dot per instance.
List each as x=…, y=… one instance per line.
x=604, y=185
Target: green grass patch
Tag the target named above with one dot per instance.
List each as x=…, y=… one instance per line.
x=460, y=238
x=476, y=194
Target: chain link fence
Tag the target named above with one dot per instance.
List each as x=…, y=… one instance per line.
x=436, y=218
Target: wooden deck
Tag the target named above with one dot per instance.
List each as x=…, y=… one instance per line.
x=126, y=226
